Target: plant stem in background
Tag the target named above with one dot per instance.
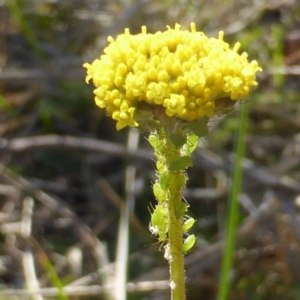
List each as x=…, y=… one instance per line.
x=233, y=216
x=15, y=8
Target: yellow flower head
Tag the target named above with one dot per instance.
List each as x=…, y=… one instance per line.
x=184, y=73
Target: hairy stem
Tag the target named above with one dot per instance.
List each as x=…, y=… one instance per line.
x=177, y=261
x=173, y=204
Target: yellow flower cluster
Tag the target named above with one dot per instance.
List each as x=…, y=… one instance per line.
x=184, y=72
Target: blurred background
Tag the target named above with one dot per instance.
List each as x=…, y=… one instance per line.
x=63, y=164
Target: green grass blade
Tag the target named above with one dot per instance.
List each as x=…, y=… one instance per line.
x=15, y=9
x=233, y=216
x=53, y=277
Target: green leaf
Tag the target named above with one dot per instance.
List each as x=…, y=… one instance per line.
x=180, y=163
x=199, y=127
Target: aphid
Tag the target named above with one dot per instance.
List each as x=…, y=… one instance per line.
x=181, y=209
x=159, y=194
x=159, y=223
x=153, y=140
x=199, y=127
x=164, y=180
x=188, y=243
x=178, y=181
x=191, y=144
x=178, y=139
x=180, y=163
x=188, y=224
x=224, y=105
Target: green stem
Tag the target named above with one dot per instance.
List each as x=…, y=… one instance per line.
x=177, y=261
x=175, y=221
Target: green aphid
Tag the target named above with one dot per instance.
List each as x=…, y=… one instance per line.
x=199, y=127
x=181, y=209
x=188, y=243
x=181, y=180
x=159, y=193
x=180, y=163
x=177, y=180
x=191, y=144
x=161, y=167
x=164, y=180
x=153, y=140
x=156, y=143
x=159, y=223
x=178, y=139
x=188, y=224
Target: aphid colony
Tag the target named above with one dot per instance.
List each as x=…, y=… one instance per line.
x=159, y=227
x=167, y=191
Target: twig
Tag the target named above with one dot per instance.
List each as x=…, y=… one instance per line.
x=144, y=286
x=50, y=142
x=126, y=211
x=32, y=281
x=117, y=201
x=204, y=160
x=83, y=230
